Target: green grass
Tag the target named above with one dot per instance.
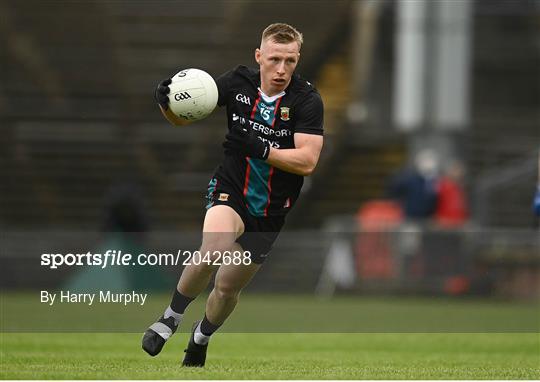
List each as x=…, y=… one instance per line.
x=403, y=338
x=283, y=314
x=276, y=356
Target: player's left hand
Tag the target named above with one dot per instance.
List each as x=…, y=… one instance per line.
x=160, y=94
x=240, y=140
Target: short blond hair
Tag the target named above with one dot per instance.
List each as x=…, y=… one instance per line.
x=282, y=33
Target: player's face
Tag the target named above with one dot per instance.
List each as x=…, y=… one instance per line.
x=277, y=63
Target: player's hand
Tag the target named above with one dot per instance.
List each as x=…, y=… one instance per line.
x=160, y=94
x=248, y=144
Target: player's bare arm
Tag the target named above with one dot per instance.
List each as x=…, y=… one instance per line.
x=301, y=160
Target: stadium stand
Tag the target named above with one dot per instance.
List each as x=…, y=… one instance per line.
x=71, y=131
x=78, y=110
x=78, y=117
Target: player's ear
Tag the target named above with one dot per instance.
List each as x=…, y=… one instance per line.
x=258, y=56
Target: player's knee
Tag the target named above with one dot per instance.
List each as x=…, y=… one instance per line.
x=226, y=291
x=214, y=249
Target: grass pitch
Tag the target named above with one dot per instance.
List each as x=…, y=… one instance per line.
x=502, y=340
x=276, y=356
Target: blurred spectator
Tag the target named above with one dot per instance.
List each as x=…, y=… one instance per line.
x=452, y=209
x=125, y=210
x=415, y=188
x=124, y=226
x=377, y=219
x=536, y=200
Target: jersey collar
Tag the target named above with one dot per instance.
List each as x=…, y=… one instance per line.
x=269, y=99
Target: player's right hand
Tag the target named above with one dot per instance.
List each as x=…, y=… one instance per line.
x=160, y=94
x=240, y=140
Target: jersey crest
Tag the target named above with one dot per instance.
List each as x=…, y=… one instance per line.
x=284, y=113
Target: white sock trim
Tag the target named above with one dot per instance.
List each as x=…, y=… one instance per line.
x=171, y=313
x=162, y=330
x=199, y=338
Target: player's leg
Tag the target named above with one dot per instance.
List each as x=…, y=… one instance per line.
x=222, y=225
x=229, y=282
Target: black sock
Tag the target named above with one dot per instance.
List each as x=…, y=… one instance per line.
x=180, y=302
x=207, y=328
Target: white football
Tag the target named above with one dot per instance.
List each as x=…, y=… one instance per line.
x=193, y=94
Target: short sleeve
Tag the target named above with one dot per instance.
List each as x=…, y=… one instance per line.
x=223, y=83
x=309, y=115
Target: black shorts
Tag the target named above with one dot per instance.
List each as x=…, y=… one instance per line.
x=260, y=233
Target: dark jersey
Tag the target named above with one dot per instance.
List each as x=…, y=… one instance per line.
x=265, y=189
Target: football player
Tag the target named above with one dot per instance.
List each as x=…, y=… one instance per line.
x=275, y=136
